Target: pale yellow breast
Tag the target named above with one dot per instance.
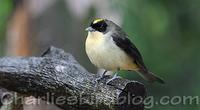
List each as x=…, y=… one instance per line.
x=103, y=53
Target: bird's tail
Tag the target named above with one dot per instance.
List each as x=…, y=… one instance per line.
x=150, y=77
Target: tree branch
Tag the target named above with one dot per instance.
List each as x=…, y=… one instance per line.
x=57, y=74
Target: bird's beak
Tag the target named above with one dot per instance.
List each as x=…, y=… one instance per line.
x=90, y=29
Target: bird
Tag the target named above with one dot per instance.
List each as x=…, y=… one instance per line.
x=109, y=47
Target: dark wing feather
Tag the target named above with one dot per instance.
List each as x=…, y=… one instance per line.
x=128, y=47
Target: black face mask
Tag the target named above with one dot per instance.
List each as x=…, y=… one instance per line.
x=100, y=26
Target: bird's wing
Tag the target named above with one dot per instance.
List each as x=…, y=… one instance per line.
x=129, y=48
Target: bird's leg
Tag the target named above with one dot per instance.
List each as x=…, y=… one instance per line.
x=115, y=76
x=104, y=73
x=102, y=76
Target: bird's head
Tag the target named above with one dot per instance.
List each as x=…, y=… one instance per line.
x=101, y=25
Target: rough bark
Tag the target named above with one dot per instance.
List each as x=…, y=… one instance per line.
x=58, y=75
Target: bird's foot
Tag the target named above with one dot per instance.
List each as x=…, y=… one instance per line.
x=114, y=77
x=101, y=78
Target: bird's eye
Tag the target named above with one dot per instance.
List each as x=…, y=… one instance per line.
x=99, y=26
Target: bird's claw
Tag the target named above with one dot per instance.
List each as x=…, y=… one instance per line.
x=114, y=77
x=101, y=78
x=104, y=76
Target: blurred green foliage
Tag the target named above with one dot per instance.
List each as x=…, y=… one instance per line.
x=167, y=34
x=6, y=7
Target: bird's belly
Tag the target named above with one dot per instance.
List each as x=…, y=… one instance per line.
x=104, y=59
x=109, y=57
